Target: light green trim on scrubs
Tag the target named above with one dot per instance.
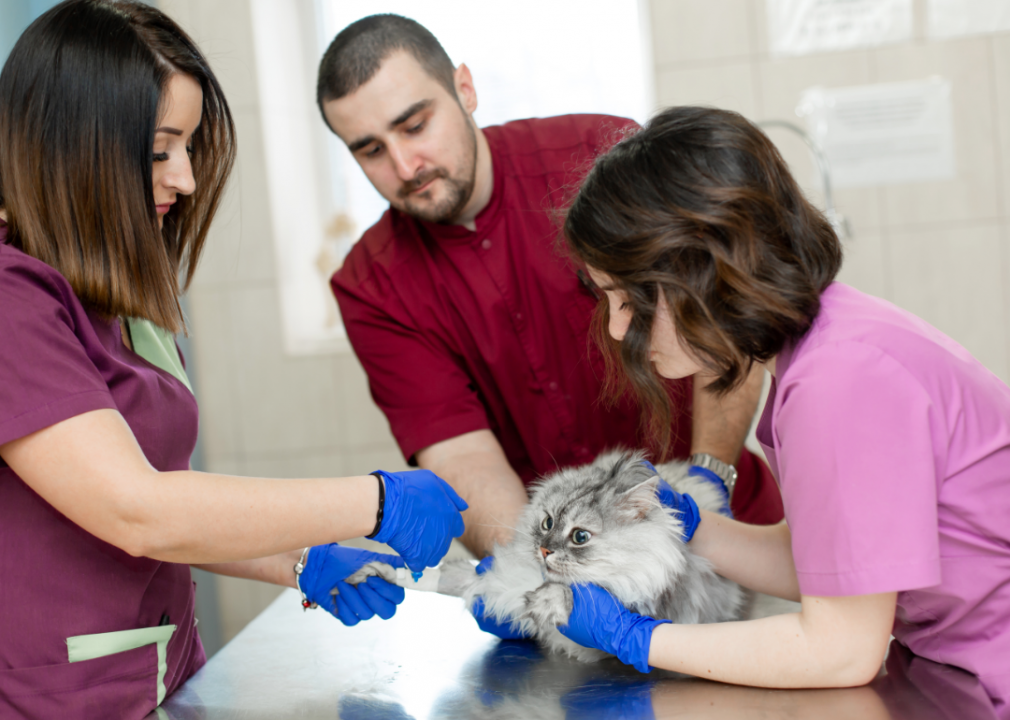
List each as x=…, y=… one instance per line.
x=90, y=647
x=157, y=346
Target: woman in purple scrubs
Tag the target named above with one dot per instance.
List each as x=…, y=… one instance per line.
x=115, y=144
x=890, y=442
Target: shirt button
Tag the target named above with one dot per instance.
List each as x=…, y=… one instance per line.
x=486, y=244
x=519, y=316
x=552, y=385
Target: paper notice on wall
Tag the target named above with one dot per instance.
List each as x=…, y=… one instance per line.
x=800, y=27
x=951, y=18
x=883, y=134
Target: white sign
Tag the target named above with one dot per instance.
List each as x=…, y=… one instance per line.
x=883, y=134
x=800, y=27
x=951, y=18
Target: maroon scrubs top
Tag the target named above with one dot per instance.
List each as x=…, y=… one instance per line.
x=58, y=360
x=461, y=331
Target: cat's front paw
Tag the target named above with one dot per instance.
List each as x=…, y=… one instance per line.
x=549, y=605
x=373, y=569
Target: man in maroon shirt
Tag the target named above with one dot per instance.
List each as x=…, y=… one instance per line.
x=473, y=327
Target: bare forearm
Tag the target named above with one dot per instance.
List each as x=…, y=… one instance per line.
x=758, y=557
x=782, y=651
x=276, y=569
x=476, y=467
x=719, y=425
x=199, y=518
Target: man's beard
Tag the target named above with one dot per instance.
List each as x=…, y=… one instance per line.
x=457, y=190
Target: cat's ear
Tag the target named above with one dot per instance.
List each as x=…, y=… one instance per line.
x=639, y=499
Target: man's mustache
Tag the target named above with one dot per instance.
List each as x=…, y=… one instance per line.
x=419, y=181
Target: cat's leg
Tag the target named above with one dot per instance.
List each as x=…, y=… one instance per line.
x=373, y=569
x=457, y=578
x=548, y=606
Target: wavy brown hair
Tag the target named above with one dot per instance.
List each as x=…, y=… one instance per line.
x=699, y=205
x=80, y=97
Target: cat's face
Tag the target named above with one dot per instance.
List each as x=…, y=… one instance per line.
x=586, y=523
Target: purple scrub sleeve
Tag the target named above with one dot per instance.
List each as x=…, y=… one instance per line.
x=891, y=445
x=59, y=360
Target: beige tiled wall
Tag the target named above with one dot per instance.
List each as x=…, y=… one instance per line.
x=939, y=249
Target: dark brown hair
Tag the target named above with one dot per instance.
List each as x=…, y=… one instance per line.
x=80, y=97
x=700, y=206
x=358, y=50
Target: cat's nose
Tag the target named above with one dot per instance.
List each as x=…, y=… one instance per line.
x=545, y=552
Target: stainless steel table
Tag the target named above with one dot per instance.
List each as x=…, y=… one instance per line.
x=431, y=661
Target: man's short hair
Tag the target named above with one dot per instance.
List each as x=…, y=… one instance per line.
x=358, y=50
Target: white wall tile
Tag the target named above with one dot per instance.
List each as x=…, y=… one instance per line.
x=224, y=34
x=972, y=195
x=213, y=344
x=364, y=423
x=953, y=279
x=298, y=464
x=730, y=86
x=285, y=403
x=864, y=265
x=692, y=31
x=240, y=247
x=1001, y=72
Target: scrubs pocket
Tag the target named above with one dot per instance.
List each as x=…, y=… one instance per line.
x=100, y=645
x=118, y=686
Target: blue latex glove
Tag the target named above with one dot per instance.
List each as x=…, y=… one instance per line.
x=489, y=624
x=327, y=566
x=683, y=503
x=706, y=474
x=421, y=516
x=599, y=621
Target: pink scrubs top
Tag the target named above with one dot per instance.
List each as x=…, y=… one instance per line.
x=86, y=630
x=891, y=444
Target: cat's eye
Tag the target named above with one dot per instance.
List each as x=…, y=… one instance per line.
x=548, y=523
x=580, y=537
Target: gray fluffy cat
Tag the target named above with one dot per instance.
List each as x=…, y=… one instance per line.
x=599, y=523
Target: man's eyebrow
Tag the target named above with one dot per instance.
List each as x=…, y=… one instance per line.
x=409, y=112
x=398, y=120
x=169, y=130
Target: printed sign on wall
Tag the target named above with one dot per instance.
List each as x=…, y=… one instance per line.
x=800, y=27
x=885, y=133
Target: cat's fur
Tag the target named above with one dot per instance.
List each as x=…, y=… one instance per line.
x=635, y=550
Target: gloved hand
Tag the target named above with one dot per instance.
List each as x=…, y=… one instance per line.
x=683, y=503
x=327, y=566
x=421, y=516
x=489, y=624
x=599, y=621
x=709, y=476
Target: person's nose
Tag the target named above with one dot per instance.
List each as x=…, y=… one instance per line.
x=405, y=163
x=545, y=552
x=180, y=175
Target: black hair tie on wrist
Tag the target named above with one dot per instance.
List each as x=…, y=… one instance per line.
x=382, y=504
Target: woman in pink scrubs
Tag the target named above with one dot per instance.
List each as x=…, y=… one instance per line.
x=115, y=144
x=890, y=442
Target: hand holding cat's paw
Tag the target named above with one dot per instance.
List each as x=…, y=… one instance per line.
x=549, y=605
x=598, y=620
x=329, y=567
